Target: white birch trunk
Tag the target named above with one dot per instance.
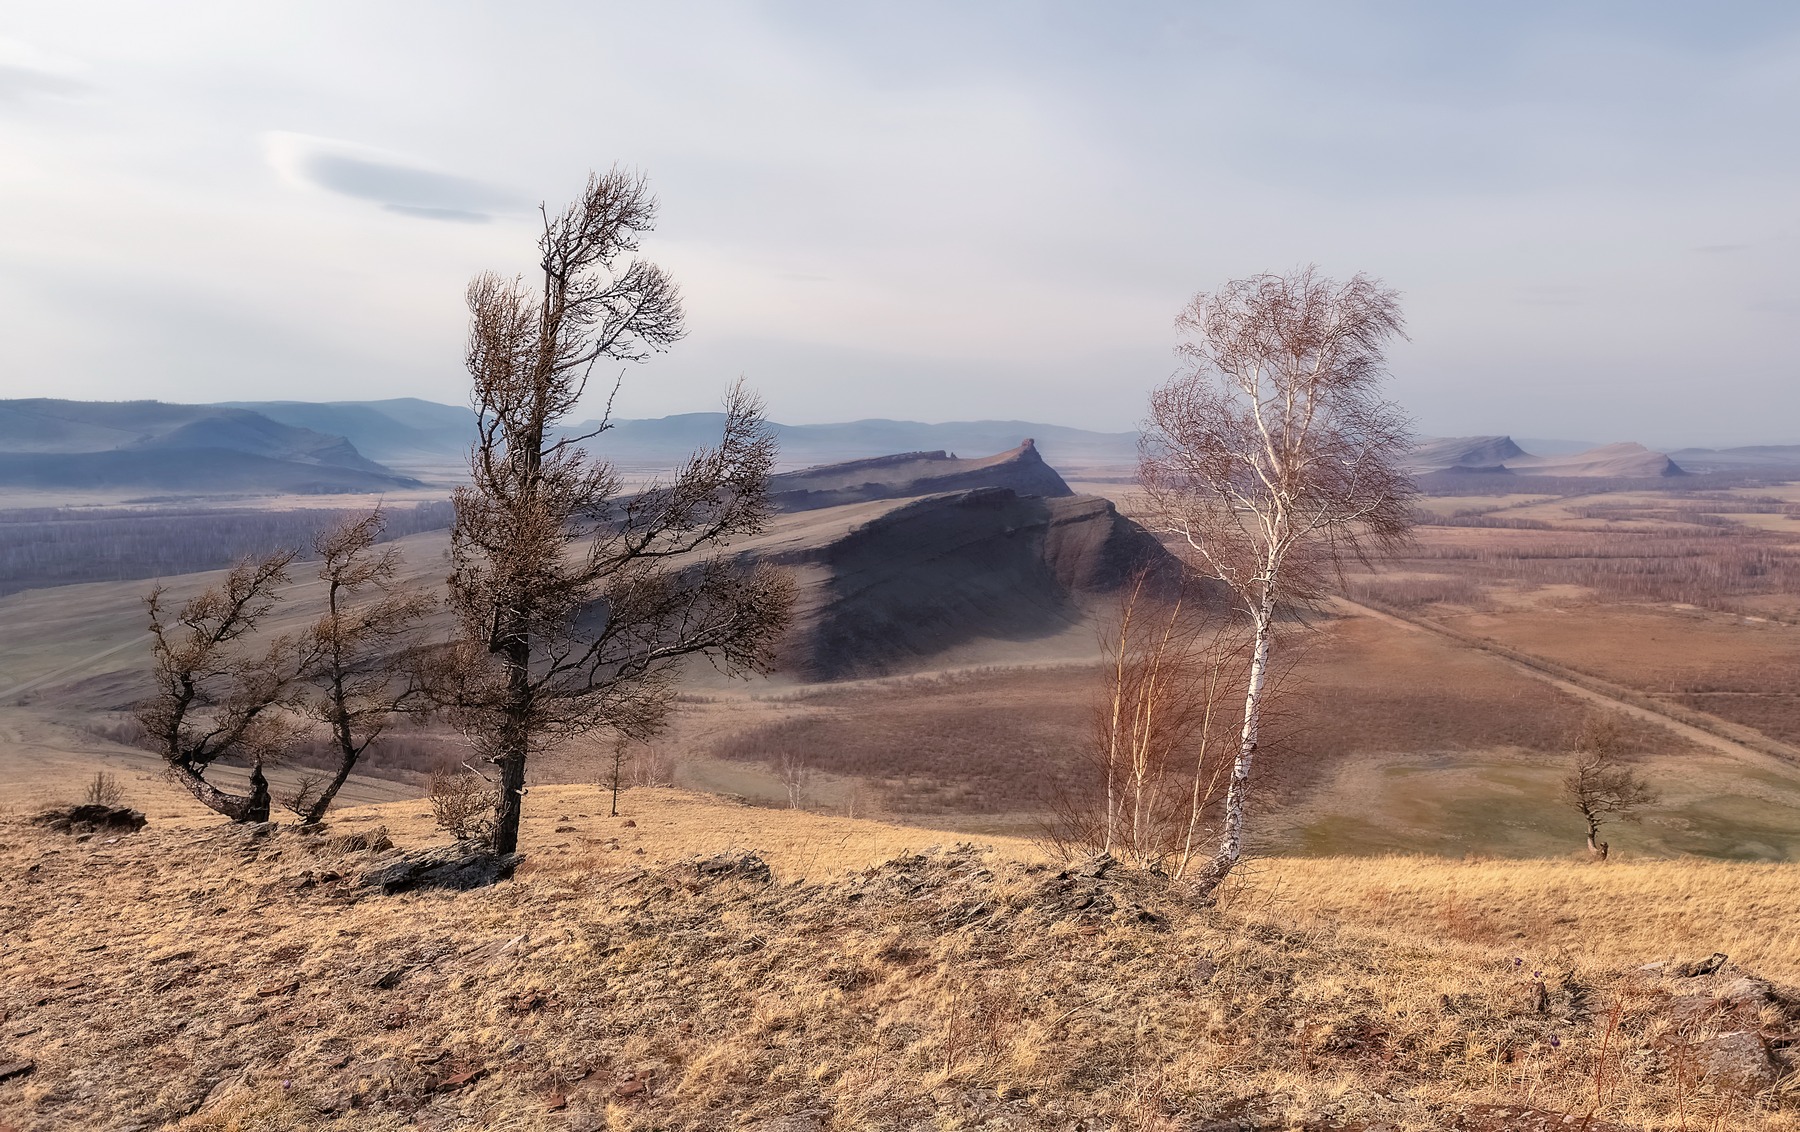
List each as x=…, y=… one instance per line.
x=1231, y=837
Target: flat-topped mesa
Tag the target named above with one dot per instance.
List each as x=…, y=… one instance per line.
x=1499, y=455
x=910, y=474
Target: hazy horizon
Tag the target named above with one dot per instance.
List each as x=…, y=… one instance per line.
x=931, y=214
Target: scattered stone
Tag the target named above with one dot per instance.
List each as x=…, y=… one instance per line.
x=1738, y=1062
x=87, y=820
x=735, y=866
x=630, y=824
x=1747, y=993
x=1699, y=966
x=452, y=867
x=368, y=841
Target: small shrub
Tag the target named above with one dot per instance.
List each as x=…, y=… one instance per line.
x=463, y=803
x=103, y=790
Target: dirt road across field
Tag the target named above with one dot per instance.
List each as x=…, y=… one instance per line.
x=1706, y=730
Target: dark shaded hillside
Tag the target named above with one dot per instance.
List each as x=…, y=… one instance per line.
x=886, y=586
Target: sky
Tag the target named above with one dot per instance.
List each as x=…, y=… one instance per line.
x=930, y=210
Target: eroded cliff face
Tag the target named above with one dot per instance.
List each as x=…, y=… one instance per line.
x=928, y=575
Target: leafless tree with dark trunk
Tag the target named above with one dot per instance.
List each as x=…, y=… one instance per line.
x=1272, y=459
x=578, y=604
x=355, y=659
x=1602, y=787
x=615, y=771
x=215, y=697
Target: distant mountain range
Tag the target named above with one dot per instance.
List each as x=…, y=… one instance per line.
x=252, y=447
x=410, y=431
x=190, y=449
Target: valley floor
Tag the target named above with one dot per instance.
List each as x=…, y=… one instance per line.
x=199, y=976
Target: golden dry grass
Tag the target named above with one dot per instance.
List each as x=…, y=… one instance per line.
x=196, y=977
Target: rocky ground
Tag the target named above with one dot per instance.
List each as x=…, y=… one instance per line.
x=224, y=978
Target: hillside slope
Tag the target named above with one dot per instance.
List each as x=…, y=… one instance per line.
x=890, y=583
x=234, y=979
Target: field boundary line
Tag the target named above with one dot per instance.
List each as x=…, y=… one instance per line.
x=1707, y=729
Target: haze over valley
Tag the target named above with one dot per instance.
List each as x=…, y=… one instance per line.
x=779, y=566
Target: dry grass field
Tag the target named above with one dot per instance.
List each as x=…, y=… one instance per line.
x=195, y=976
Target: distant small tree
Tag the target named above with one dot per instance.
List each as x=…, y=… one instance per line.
x=1272, y=459
x=616, y=770
x=216, y=697
x=796, y=777
x=578, y=604
x=1602, y=787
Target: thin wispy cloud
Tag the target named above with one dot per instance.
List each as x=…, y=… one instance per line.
x=396, y=183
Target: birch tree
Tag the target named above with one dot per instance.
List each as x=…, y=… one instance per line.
x=1159, y=752
x=578, y=604
x=1272, y=458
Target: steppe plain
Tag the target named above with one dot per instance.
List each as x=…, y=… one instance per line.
x=917, y=959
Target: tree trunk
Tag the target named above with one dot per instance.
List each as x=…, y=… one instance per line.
x=510, y=806
x=1231, y=839
x=316, y=812
x=1596, y=847
x=251, y=807
x=516, y=739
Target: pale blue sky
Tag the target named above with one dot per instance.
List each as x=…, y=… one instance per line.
x=923, y=210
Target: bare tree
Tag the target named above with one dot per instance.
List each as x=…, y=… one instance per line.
x=796, y=776
x=215, y=697
x=578, y=606
x=1272, y=458
x=1602, y=787
x=354, y=655
x=616, y=769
